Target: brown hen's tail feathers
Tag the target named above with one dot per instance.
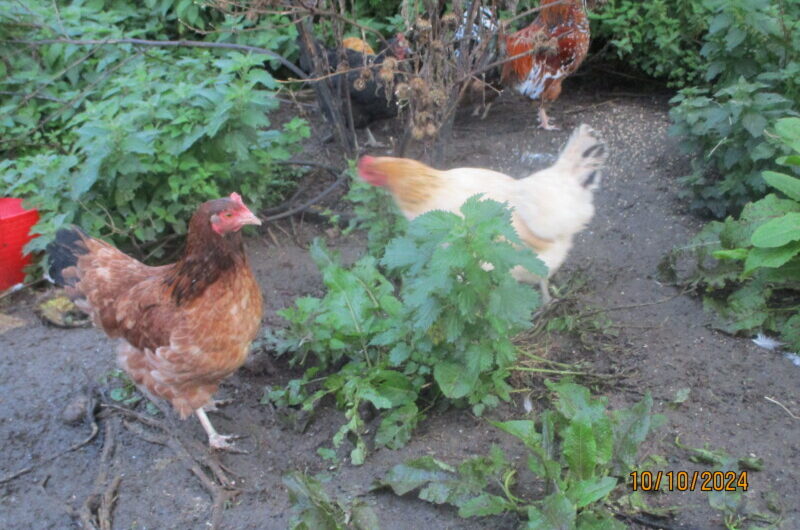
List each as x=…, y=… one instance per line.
x=64, y=252
x=583, y=157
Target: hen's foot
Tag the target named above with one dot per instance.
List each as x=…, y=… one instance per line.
x=224, y=442
x=216, y=440
x=544, y=121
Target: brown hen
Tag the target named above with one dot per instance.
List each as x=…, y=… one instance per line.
x=184, y=326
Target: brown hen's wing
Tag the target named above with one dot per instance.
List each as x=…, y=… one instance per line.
x=102, y=280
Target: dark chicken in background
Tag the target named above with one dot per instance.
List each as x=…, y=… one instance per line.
x=367, y=76
x=184, y=326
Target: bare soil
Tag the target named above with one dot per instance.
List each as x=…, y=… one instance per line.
x=664, y=344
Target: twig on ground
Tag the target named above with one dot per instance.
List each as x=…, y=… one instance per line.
x=12, y=290
x=218, y=484
x=97, y=509
x=781, y=405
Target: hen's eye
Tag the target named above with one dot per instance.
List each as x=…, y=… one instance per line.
x=228, y=214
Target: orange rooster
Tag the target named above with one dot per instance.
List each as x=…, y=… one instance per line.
x=549, y=207
x=558, y=41
x=185, y=326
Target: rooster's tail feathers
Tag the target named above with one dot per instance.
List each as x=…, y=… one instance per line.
x=583, y=157
x=64, y=252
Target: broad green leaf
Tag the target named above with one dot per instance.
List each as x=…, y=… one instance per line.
x=575, y=400
x=789, y=131
x=454, y=379
x=754, y=123
x=777, y=232
x=363, y=516
x=555, y=512
x=790, y=186
x=525, y=430
x=630, y=430
x=484, y=504
x=585, y=492
x=413, y=474
x=580, y=447
x=735, y=254
x=770, y=257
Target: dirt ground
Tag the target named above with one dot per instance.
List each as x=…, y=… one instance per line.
x=664, y=344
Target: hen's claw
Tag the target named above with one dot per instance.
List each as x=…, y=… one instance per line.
x=544, y=121
x=215, y=439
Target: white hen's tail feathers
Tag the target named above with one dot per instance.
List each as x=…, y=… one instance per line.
x=583, y=157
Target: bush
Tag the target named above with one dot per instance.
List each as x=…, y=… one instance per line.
x=451, y=322
x=749, y=268
x=126, y=142
x=660, y=37
x=751, y=58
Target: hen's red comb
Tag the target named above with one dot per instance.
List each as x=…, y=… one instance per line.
x=235, y=197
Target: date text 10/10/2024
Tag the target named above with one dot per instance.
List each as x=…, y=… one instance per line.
x=689, y=480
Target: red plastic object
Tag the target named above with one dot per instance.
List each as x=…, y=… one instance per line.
x=15, y=223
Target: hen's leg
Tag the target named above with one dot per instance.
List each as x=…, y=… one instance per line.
x=544, y=122
x=215, y=404
x=215, y=440
x=545, y=286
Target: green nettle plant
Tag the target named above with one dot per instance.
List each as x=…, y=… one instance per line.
x=580, y=451
x=748, y=267
x=451, y=323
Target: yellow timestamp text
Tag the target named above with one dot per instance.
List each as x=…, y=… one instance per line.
x=689, y=480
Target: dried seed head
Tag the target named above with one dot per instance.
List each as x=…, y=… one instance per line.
x=360, y=84
x=430, y=130
x=366, y=74
x=418, y=84
x=449, y=20
x=390, y=63
x=437, y=46
x=424, y=117
x=438, y=97
x=385, y=75
x=403, y=91
x=418, y=133
x=424, y=25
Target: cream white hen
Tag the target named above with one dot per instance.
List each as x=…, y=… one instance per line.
x=549, y=207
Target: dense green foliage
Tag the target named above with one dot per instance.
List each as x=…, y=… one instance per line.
x=580, y=450
x=124, y=140
x=451, y=321
x=750, y=64
x=748, y=267
x=737, y=64
x=660, y=37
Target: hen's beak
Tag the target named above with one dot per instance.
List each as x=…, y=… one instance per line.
x=248, y=218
